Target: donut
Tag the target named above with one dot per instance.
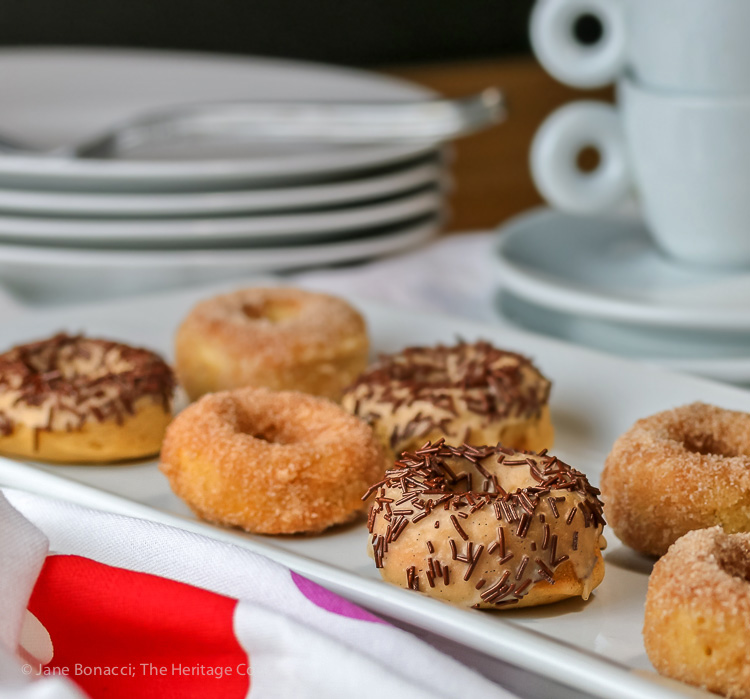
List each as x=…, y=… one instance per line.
x=280, y=338
x=81, y=400
x=697, y=618
x=270, y=462
x=466, y=393
x=487, y=527
x=679, y=470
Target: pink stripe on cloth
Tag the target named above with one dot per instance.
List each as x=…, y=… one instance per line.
x=331, y=602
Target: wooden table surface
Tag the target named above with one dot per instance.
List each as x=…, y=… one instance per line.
x=491, y=170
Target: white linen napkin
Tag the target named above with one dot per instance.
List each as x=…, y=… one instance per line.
x=298, y=639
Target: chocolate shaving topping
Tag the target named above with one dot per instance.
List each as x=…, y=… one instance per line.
x=553, y=507
x=521, y=566
x=432, y=480
x=493, y=383
x=545, y=571
x=76, y=379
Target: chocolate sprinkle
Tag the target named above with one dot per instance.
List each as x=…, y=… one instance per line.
x=433, y=476
x=458, y=528
x=48, y=373
x=491, y=380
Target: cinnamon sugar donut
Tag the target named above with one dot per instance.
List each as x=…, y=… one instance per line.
x=487, y=527
x=697, y=622
x=280, y=338
x=471, y=393
x=270, y=462
x=77, y=399
x=679, y=470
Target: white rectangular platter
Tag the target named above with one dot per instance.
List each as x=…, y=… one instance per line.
x=595, y=646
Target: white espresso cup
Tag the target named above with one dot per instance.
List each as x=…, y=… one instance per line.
x=682, y=45
x=686, y=157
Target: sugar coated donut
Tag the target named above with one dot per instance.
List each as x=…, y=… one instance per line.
x=469, y=393
x=271, y=462
x=77, y=399
x=487, y=527
x=682, y=469
x=280, y=338
x=697, y=622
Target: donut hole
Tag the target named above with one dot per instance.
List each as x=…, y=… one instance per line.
x=510, y=480
x=709, y=445
x=270, y=436
x=258, y=428
x=274, y=311
x=733, y=558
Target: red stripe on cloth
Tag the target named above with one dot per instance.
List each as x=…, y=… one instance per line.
x=118, y=633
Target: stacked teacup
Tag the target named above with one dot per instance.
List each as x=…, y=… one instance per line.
x=680, y=133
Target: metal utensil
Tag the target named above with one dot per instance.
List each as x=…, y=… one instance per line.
x=290, y=122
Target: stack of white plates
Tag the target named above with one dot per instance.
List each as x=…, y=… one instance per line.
x=600, y=282
x=164, y=217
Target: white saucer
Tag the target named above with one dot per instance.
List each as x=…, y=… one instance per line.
x=207, y=232
x=222, y=203
x=608, y=268
x=54, y=275
x=53, y=96
x=724, y=356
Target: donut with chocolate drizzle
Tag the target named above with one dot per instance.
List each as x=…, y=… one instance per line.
x=487, y=527
x=81, y=400
x=467, y=393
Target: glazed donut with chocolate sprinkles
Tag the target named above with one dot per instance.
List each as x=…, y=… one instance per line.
x=467, y=393
x=280, y=338
x=679, y=470
x=487, y=527
x=697, y=620
x=81, y=400
x=271, y=462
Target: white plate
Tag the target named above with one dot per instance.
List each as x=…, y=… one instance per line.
x=56, y=96
x=312, y=197
x=60, y=275
x=724, y=356
x=208, y=232
x=607, y=267
x=595, y=646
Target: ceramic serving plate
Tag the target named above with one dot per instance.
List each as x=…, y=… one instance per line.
x=607, y=267
x=57, y=96
x=125, y=205
x=716, y=354
x=594, y=646
x=177, y=233
x=54, y=274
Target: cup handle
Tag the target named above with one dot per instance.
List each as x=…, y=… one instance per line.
x=567, y=59
x=555, y=149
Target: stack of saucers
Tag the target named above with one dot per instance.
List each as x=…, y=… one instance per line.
x=600, y=281
x=160, y=217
